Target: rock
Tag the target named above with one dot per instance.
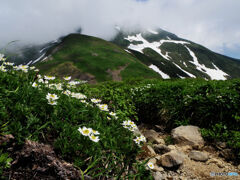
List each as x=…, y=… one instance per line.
x=171, y=159
x=187, y=135
x=172, y=147
x=151, y=150
x=186, y=148
x=227, y=154
x=147, y=151
x=161, y=149
x=158, y=176
x=215, y=161
x=221, y=145
x=157, y=168
x=153, y=136
x=198, y=156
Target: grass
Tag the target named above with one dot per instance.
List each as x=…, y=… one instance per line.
x=94, y=56
x=26, y=114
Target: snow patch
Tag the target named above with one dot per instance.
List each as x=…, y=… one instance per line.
x=189, y=74
x=153, y=45
x=184, y=64
x=127, y=51
x=139, y=47
x=29, y=63
x=156, y=69
x=215, y=74
x=38, y=59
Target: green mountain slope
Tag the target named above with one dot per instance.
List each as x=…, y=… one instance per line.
x=92, y=59
x=177, y=57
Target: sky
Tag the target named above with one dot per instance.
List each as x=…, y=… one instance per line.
x=212, y=23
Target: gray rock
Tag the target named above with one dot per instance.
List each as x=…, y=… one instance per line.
x=171, y=159
x=158, y=176
x=161, y=149
x=187, y=135
x=153, y=136
x=198, y=156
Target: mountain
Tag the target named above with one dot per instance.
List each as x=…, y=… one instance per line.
x=93, y=59
x=174, y=57
x=146, y=54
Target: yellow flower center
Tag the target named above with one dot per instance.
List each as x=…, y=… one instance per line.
x=86, y=131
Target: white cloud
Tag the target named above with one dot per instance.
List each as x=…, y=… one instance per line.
x=214, y=23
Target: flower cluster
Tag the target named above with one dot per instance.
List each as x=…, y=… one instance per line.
x=92, y=134
x=52, y=99
x=130, y=125
x=3, y=68
x=103, y=107
x=139, y=139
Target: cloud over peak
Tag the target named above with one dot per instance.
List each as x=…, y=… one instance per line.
x=211, y=23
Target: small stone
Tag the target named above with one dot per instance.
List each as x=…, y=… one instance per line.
x=198, y=156
x=157, y=175
x=161, y=149
x=221, y=145
x=172, y=147
x=157, y=168
x=187, y=135
x=171, y=159
x=153, y=137
x=153, y=160
x=227, y=154
x=216, y=161
x=151, y=150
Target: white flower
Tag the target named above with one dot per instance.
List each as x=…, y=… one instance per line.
x=108, y=118
x=67, y=78
x=85, y=131
x=52, y=97
x=34, y=85
x=2, y=68
x=8, y=63
x=103, y=107
x=150, y=165
x=52, y=102
x=83, y=101
x=36, y=70
x=137, y=141
x=94, y=138
x=49, y=77
x=2, y=57
x=58, y=86
x=39, y=76
x=40, y=80
x=112, y=114
x=73, y=83
x=67, y=92
x=32, y=67
x=95, y=132
x=142, y=138
x=78, y=95
x=96, y=100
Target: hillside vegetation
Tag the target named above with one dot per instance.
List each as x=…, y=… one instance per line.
x=92, y=59
x=92, y=126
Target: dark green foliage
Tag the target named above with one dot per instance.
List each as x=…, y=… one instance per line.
x=211, y=105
